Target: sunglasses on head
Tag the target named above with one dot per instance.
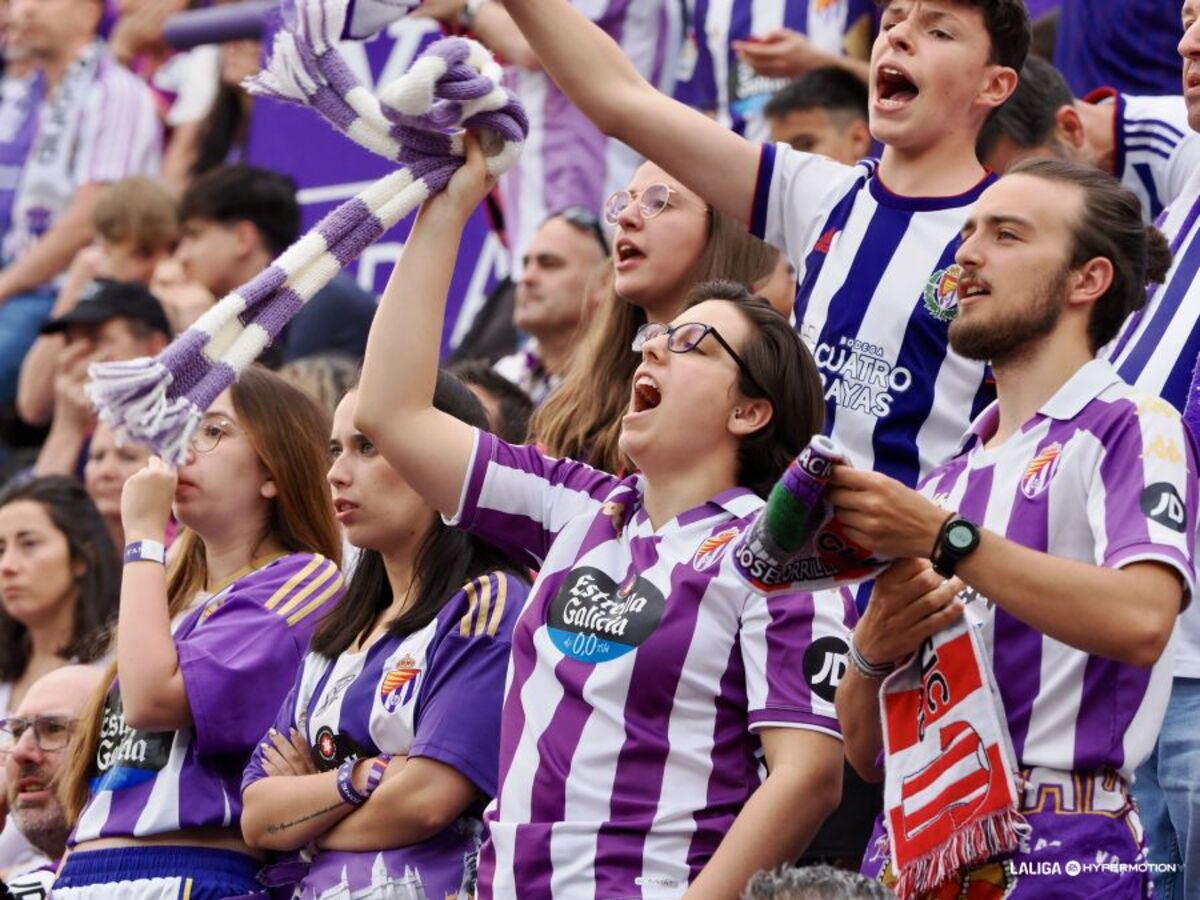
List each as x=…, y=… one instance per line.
x=585, y=220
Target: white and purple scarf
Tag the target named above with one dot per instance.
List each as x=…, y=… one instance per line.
x=417, y=121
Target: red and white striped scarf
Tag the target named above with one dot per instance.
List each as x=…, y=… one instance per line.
x=950, y=796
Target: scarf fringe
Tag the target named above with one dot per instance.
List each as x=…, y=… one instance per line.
x=1002, y=832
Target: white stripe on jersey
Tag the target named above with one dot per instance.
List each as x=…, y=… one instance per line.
x=1158, y=148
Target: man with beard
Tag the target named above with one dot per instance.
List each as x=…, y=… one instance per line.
x=1069, y=513
x=33, y=747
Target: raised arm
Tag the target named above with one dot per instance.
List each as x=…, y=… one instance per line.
x=394, y=406
x=596, y=75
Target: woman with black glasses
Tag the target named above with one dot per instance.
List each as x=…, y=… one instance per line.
x=645, y=677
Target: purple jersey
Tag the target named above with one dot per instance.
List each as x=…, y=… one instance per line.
x=712, y=78
x=1157, y=352
x=1107, y=476
x=434, y=693
x=238, y=651
x=642, y=668
x=567, y=161
x=878, y=290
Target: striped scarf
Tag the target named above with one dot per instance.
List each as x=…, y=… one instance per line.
x=416, y=121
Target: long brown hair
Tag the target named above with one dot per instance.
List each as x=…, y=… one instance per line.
x=582, y=418
x=447, y=559
x=290, y=433
x=74, y=515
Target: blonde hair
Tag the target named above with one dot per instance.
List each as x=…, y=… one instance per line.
x=290, y=433
x=138, y=210
x=581, y=419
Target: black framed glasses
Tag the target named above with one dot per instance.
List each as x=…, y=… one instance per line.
x=651, y=201
x=209, y=434
x=685, y=337
x=49, y=732
x=584, y=219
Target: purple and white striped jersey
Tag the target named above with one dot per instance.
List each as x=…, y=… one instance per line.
x=1106, y=475
x=567, y=161
x=239, y=650
x=712, y=78
x=1157, y=352
x=99, y=125
x=642, y=667
x=1156, y=151
x=435, y=693
x=878, y=290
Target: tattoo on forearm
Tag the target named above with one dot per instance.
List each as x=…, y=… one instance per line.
x=284, y=826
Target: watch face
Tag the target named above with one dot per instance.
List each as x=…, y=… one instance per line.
x=960, y=536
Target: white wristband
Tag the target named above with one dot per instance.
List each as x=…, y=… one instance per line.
x=145, y=551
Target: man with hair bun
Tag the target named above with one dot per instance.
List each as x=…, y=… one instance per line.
x=1061, y=534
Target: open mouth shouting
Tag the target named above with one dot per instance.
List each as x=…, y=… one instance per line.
x=894, y=88
x=646, y=394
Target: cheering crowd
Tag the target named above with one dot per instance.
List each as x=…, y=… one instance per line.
x=811, y=514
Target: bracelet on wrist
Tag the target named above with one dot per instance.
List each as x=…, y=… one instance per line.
x=345, y=778
x=145, y=551
x=866, y=668
x=345, y=783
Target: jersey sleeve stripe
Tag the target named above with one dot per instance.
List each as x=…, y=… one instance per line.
x=316, y=583
x=290, y=584
x=498, y=609
x=315, y=604
x=464, y=626
x=485, y=605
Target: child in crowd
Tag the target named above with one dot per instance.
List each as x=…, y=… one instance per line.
x=136, y=228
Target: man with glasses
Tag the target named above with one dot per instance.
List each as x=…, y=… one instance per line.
x=33, y=749
x=561, y=284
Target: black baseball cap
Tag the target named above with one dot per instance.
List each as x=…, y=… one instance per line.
x=105, y=299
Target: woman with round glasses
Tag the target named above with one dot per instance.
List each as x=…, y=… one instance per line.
x=666, y=241
x=645, y=677
x=59, y=581
x=206, y=649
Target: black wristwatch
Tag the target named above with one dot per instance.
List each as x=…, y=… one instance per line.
x=957, y=540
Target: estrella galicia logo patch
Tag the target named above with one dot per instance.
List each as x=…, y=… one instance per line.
x=825, y=663
x=941, y=293
x=399, y=684
x=1162, y=504
x=125, y=756
x=1040, y=471
x=591, y=620
x=712, y=549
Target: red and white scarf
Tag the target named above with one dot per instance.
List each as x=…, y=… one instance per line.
x=950, y=796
